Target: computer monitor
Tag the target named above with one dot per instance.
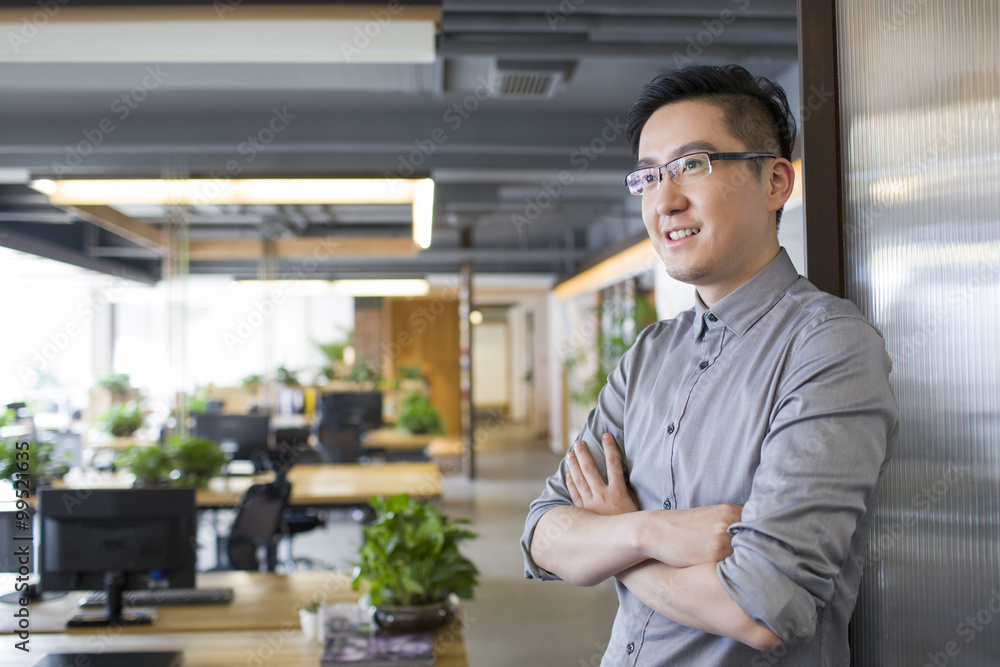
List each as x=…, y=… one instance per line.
x=357, y=408
x=241, y=437
x=18, y=558
x=116, y=539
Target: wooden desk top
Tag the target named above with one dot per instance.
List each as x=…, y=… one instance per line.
x=261, y=620
x=390, y=438
x=285, y=647
x=312, y=485
x=343, y=484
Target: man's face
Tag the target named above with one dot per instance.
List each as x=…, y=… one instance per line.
x=730, y=209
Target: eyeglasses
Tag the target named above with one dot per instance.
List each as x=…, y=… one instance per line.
x=683, y=170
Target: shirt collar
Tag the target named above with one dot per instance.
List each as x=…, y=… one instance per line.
x=742, y=307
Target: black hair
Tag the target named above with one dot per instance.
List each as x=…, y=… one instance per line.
x=755, y=110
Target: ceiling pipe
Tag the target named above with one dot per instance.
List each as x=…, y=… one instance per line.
x=781, y=30
x=548, y=48
x=762, y=8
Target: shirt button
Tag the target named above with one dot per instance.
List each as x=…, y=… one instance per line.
x=667, y=505
x=670, y=428
x=703, y=365
x=712, y=318
x=630, y=648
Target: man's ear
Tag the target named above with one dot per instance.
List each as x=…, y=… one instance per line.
x=780, y=184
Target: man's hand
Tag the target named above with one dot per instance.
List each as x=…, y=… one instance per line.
x=679, y=538
x=587, y=488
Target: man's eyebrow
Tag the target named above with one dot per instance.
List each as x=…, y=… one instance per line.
x=684, y=149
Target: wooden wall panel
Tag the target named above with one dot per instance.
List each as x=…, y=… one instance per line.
x=424, y=331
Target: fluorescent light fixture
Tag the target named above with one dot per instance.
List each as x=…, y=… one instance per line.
x=618, y=267
x=112, y=192
x=402, y=287
x=299, y=287
x=419, y=193
x=423, y=212
x=45, y=186
x=221, y=34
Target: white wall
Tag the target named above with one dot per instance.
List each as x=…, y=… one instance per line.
x=525, y=294
x=491, y=367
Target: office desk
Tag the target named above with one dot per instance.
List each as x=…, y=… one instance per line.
x=263, y=616
x=273, y=648
x=397, y=445
x=312, y=485
x=334, y=485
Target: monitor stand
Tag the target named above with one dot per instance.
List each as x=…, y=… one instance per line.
x=112, y=614
x=32, y=595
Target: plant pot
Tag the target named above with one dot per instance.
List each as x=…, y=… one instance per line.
x=309, y=620
x=415, y=618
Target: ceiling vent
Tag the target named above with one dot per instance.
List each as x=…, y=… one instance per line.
x=531, y=78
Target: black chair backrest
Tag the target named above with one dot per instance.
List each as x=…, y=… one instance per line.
x=339, y=443
x=258, y=524
x=294, y=438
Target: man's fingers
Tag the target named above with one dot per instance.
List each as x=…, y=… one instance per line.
x=616, y=474
x=587, y=465
x=578, y=476
x=574, y=493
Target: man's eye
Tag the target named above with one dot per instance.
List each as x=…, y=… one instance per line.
x=648, y=176
x=692, y=163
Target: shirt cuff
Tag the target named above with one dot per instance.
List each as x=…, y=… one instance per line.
x=531, y=569
x=767, y=595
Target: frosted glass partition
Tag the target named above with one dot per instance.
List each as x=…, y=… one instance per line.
x=920, y=95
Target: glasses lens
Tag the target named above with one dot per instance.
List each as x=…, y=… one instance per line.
x=689, y=168
x=642, y=179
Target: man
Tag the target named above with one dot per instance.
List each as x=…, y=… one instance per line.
x=728, y=476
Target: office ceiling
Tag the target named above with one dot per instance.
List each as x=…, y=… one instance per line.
x=519, y=121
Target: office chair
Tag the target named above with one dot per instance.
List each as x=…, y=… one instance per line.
x=339, y=443
x=300, y=520
x=258, y=526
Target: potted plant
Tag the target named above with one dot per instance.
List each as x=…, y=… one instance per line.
x=417, y=415
x=194, y=460
x=363, y=373
x=287, y=377
x=411, y=377
x=411, y=564
x=150, y=465
x=251, y=383
x=43, y=465
x=121, y=420
x=119, y=384
x=311, y=617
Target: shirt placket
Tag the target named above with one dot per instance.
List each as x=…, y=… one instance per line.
x=708, y=347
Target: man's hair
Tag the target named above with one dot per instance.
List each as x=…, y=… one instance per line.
x=755, y=110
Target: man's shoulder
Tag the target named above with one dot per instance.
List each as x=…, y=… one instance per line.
x=810, y=307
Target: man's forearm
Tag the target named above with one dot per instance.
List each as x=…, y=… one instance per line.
x=693, y=596
x=585, y=548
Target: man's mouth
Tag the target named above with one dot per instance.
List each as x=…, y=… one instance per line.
x=678, y=234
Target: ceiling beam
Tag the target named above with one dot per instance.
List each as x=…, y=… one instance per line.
x=317, y=247
x=36, y=245
x=118, y=223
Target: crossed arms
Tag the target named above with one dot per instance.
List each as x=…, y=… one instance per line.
x=665, y=558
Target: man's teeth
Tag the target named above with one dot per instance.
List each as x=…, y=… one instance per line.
x=681, y=233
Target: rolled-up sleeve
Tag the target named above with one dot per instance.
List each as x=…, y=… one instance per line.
x=832, y=429
x=607, y=417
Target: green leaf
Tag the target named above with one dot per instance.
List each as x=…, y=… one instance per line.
x=410, y=553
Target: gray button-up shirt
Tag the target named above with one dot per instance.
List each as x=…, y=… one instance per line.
x=776, y=399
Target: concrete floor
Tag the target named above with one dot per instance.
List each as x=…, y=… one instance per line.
x=512, y=621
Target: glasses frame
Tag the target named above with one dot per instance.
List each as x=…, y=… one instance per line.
x=711, y=156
